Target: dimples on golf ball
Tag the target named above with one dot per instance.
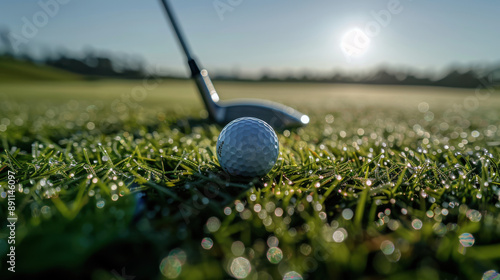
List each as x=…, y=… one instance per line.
x=247, y=147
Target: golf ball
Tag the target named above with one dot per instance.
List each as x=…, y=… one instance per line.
x=247, y=147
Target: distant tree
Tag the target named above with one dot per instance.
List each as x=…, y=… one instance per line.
x=90, y=57
x=71, y=64
x=455, y=78
x=6, y=41
x=339, y=78
x=410, y=79
x=104, y=67
x=382, y=76
x=266, y=75
x=493, y=77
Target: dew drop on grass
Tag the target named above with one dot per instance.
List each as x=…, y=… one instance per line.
x=393, y=224
x=347, y=214
x=387, y=247
x=213, y=224
x=292, y=275
x=439, y=229
x=179, y=254
x=423, y=194
x=240, y=267
x=305, y=249
x=267, y=221
x=273, y=241
x=46, y=211
x=474, y=215
x=171, y=267
x=339, y=235
x=429, y=214
x=257, y=207
x=278, y=212
x=491, y=275
x=207, y=243
x=300, y=207
x=274, y=255
x=205, y=201
x=466, y=239
x=270, y=206
x=246, y=214
x=262, y=215
x=239, y=207
x=100, y=203
x=322, y=215
x=416, y=224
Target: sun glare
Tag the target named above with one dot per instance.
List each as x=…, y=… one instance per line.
x=355, y=43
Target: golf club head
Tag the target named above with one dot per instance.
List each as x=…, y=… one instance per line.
x=277, y=115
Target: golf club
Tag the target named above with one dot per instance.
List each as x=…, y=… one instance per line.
x=277, y=115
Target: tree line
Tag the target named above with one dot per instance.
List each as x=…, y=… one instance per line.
x=93, y=65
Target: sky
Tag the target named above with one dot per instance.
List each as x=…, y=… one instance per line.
x=282, y=36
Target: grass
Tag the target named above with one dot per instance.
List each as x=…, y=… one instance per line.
x=381, y=184
x=16, y=71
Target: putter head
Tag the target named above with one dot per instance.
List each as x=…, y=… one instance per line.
x=277, y=115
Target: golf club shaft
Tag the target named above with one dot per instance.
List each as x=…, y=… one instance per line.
x=176, y=28
x=173, y=21
x=203, y=82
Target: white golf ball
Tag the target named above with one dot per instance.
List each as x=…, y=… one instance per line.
x=247, y=147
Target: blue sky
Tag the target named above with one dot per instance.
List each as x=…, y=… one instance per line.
x=278, y=35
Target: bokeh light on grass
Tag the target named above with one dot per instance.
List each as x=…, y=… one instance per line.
x=274, y=255
x=491, y=275
x=213, y=224
x=273, y=241
x=170, y=267
x=387, y=247
x=466, y=239
x=240, y=267
x=474, y=215
x=292, y=275
x=237, y=248
x=207, y=243
x=417, y=224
